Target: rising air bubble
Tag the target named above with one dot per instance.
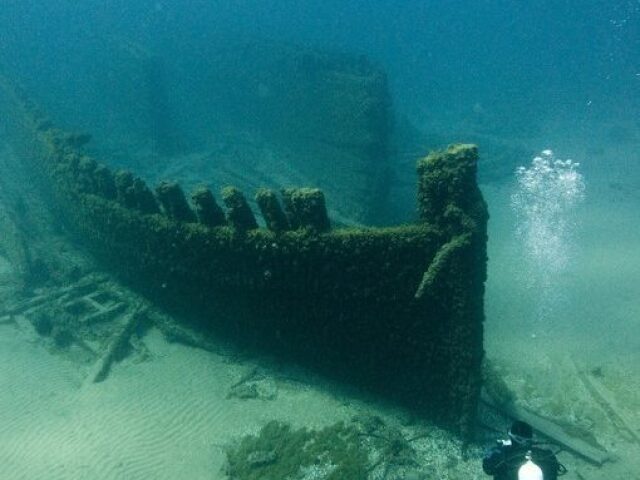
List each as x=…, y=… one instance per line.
x=545, y=199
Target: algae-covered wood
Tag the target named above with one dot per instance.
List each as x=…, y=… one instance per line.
x=398, y=310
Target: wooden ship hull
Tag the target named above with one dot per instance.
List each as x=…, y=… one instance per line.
x=397, y=310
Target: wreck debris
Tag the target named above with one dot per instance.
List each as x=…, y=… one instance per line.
x=332, y=112
x=16, y=232
x=174, y=332
x=207, y=209
x=551, y=430
x=607, y=403
x=174, y=204
x=100, y=317
x=145, y=201
x=87, y=315
x=117, y=346
x=105, y=182
x=327, y=297
x=130, y=191
x=85, y=285
x=123, y=180
x=239, y=213
x=13, y=241
x=272, y=212
x=254, y=385
x=306, y=208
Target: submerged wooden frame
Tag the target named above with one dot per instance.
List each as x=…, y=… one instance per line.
x=398, y=310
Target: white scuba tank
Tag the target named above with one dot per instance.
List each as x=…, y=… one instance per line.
x=529, y=470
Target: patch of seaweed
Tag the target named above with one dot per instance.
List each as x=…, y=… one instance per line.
x=279, y=452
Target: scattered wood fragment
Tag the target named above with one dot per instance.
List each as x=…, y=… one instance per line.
x=57, y=295
x=605, y=400
x=31, y=303
x=117, y=345
x=176, y=333
x=253, y=385
x=105, y=313
x=551, y=430
x=250, y=374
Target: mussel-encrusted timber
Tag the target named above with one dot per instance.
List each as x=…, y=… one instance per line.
x=398, y=310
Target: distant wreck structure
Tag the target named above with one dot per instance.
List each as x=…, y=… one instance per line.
x=398, y=310
x=236, y=112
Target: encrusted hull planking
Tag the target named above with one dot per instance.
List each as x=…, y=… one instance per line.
x=398, y=310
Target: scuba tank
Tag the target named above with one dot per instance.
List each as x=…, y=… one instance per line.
x=529, y=470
